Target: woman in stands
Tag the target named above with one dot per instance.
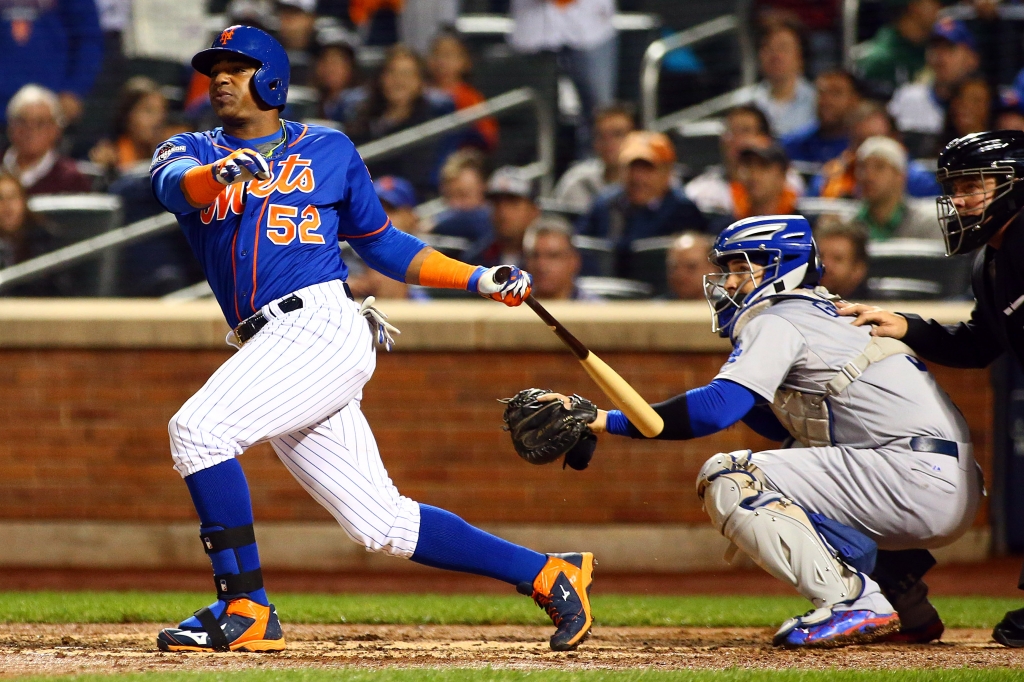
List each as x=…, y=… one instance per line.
x=138, y=128
x=398, y=99
x=450, y=64
x=21, y=231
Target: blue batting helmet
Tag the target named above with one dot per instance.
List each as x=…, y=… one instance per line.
x=271, y=79
x=776, y=254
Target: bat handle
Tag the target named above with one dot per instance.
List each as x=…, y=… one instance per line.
x=502, y=274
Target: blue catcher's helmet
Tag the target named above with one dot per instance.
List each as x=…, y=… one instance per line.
x=775, y=253
x=270, y=79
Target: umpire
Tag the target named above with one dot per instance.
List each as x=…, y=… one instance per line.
x=982, y=178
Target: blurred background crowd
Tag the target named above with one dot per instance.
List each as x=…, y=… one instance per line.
x=653, y=125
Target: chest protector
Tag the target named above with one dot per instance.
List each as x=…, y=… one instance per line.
x=806, y=415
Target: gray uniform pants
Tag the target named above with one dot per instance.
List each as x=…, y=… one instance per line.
x=900, y=498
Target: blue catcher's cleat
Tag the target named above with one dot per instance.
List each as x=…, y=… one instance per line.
x=823, y=628
x=243, y=625
x=562, y=589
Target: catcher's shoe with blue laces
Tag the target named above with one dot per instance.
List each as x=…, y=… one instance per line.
x=243, y=625
x=824, y=629
x=562, y=589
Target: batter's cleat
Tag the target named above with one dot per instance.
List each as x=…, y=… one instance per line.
x=244, y=625
x=1010, y=630
x=929, y=632
x=817, y=629
x=562, y=589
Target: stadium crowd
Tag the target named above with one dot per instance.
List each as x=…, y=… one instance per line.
x=629, y=216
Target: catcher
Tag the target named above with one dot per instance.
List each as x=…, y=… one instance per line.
x=882, y=457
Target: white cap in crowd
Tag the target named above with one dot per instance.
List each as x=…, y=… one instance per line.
x=884, y=148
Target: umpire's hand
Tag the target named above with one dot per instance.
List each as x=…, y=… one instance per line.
x=883, y=322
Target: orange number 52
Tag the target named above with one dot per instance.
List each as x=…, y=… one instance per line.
x=281, y=228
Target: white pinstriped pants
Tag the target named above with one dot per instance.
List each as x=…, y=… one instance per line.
x=297, y=384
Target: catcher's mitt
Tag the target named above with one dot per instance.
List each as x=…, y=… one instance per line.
x=544, y=431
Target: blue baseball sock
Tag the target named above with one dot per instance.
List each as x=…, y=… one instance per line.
x=448, y=542
x=221, y=497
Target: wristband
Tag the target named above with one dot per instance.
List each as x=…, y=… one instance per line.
x=616, y=423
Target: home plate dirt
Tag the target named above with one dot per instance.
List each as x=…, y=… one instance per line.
x=53, y=649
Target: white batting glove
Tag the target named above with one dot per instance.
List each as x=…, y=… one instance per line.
x=241, y=166
x=505, y=283
x=381, y=329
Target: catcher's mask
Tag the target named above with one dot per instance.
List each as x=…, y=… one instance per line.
x=981, y=172
x=776, y=254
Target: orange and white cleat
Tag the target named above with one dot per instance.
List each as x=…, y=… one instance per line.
x=243, y=625
x=562, y=589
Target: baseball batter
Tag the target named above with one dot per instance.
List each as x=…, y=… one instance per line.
x=882, y=458
x=263, y=202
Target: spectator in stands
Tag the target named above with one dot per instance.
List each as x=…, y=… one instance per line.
x=57, y=45
x=399, y=99
x=581, y=34
x=920, y=108
x=335, y=74
x=762, y=175
x=826, y=138
x=35, y=123
x=585, y=180
x=552, y=260
x=648, y=204
x=449, y=65
x=838, y=178
x=376, y=20
x=686, y=264
x=897, y=52
x=784, y=95
x=296, y=20
x=464, y=189
x=882, y=180
x=514, y=209
x=714, y=190
x=843, y=249
x=970, y=109
x=398, y=198
x=21, y=233
x=1010, y=113
x=138, y=127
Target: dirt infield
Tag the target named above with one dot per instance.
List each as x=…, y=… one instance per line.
x=55, y=649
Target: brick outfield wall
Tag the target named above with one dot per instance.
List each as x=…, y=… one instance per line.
x=83, y=437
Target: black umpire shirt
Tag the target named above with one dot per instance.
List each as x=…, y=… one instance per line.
x=997, y=321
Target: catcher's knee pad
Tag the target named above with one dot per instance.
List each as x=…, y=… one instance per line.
x=773, y=531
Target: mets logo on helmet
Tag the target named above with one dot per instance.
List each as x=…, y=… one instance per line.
x=226, y=35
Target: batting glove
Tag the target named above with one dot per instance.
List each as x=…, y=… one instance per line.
x=380, y=328
x=241, y=166
x=511, y=291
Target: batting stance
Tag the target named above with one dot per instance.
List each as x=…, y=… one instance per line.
x=263, y=203
x=883, y=457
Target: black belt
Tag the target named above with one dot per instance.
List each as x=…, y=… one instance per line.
x=937, y=445
x=248, y=327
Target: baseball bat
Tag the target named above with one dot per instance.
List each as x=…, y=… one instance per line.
x=618, y=390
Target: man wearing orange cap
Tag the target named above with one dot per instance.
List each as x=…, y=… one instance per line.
x=648, y=204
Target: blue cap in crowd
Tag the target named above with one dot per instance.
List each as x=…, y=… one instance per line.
x=1013, y=97
x=955, y=32
x=395, y=191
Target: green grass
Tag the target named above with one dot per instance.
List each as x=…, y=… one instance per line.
x=461, y=675
x=634, y=610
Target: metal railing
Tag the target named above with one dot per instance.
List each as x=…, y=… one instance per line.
x=543, y=168
x=650, y=70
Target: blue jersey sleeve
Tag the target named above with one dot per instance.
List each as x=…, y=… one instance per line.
x=388, y=252
x=170, y=161
x=360, y=214
x=698, y=412
x=363, y=222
